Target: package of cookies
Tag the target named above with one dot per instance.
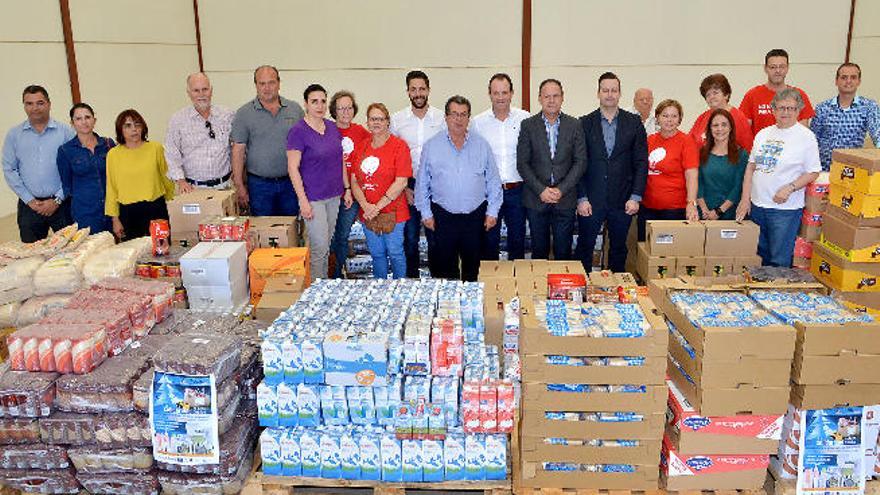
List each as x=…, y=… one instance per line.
x=33, y=456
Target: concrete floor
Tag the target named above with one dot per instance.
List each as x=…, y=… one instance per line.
x=8, y=228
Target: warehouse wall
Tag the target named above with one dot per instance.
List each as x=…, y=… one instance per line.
x=136, y=54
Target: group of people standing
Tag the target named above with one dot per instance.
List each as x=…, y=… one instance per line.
x=456, y=176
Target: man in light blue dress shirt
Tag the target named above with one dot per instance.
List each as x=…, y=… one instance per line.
x=458, y=193
x=30, y=168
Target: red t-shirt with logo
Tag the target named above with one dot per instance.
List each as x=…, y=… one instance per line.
x=744, y=135
x=351, y=137
x=377, y=168
x=756, y=107
x=668, y=158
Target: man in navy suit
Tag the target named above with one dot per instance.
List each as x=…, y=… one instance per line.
x=617, y=170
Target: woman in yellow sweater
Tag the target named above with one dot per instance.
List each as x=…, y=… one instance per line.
x=137, y=185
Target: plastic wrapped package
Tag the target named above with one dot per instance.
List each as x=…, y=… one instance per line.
x=206, y=484
x=46, y=247
x=116, y=323
x=9, y=314
x=36, y=308
x=50, y=481
x=118, y=261
x=58, y=275
x=143, y=483
x=19, y=430
x=235, y=444
x=115, y=430
x=250, y=371
x=161, y=294
x=226, y=391
x=17, y=279
x=199, y=321
x=200, y=353
x=33, y=456
x=26, y=394
x=90, y=459
x=96, y=243
x=249, y=331
x=137, y=306
x=16, y=294
x=65, y=348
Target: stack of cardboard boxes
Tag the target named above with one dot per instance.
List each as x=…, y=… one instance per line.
x=215, y=276
x=815, y=206
x=848, y=257
x=677, y=248
x=278, y=276
x=187, y=211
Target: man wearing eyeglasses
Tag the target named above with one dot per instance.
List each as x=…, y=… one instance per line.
x=756, y=102
x=197, y=144
x=458, y=194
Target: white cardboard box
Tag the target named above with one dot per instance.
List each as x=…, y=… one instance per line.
x=218, y=297
x=214, y=264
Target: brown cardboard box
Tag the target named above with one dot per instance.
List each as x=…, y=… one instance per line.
x=742, y=263
x=675, y=238
x=810, y=232
x=533, y=448
x=838, y=273
x=815, y=204
x=653, y=401
x=849, y=241
x=828, y=396
x=185, y=211
x=573, y=267
x=832, y=354
x=730, y=238
x=274, y=232
x=856, y=169
x=534, y=420
x=719, y=266
x=535, y=368
x=741, y=472
x=654, y=267
x=690, y=266
x=861, y=301
x=606, y=279
x=279, y=293
x=495, y=269
x=645, y=477
x=267, y=263
x=854, y=220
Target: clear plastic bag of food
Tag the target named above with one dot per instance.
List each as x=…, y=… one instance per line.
x=33, y=456
x=67, y=348
x=36, y=308
x=144, y=483
x=250, y=371
x=116, y=323
x=58, y=275
x=90, y=459
x=19, y=430
x=237, y=442
x=63, y=428
x=200, y=353
x=50, y=481
x=115, y=430
x=26, y=394
x=118, y=261
x=206, y=484
x=107, y=389
x=161, y=293
x=9, y=313
x=200, y=321
x=20, y=273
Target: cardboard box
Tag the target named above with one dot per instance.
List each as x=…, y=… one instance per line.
x=274, y=232
x=218, y=297
x=214, y=264
x=861, y=245
x=828, y=396
x=730, y=238
x=565, y=267
x=711, y=471
x=854, y=202
x=644, y=478
x=355, y=362
x=536, y=369
x=856, y=169
x=741, y=264
x=185, y=211
x=743, y=434
x=533, y=448
x=495, y=269
x=652, y=267
x=533, y=419
x=675, y=238
x=833, y=354
x=860, y=301
x=815, y=204
x=840, y=274
x=690, y=266
x=857, y=221
x=273, y=304
x=607, y=279
x=264, y=263
x=719, y=266
x=536, y=396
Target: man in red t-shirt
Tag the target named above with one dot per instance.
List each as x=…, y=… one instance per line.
x=756, y=102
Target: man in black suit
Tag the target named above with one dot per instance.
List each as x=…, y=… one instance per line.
x=617, y=170
x=550, y=157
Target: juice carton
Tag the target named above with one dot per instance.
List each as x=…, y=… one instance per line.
x=475, y=457
x=349, y=456
x=506, y=406
x=411, y=459
x=432, y=460
x=288, y=413
x=392, y=468
x=291, y=463
x=331, y=462
x=403, y=420
x=270, y=451
x=310, y=452
x=470, y=406
x=273, y=364
x=267, y=405
x=488, y=407
x=436, y=421
x=454, y=457
x=420, y=420
x=308, y=404
x=292, y=361
x=312, y=362
x=371, y=459
x=496, y=457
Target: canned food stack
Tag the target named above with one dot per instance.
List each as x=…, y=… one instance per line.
x=815, y=207
x=165, y=268
x=384, y=380
x=847, y=258
x=593, y=396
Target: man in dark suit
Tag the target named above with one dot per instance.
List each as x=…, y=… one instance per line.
x=617, y=170
x=550, y=157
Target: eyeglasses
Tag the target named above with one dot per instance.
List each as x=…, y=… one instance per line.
x=377, y=119
x=344, y=109
x=458, y=115
x=210, y=129
x=786, y=109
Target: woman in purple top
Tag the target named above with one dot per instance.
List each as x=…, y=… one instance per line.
x=315, y=166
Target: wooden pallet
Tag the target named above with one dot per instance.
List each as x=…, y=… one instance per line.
x=593, y=491
x=289, y=485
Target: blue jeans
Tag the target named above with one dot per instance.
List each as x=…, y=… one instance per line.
x=385, y=248
x=513, y=213
x=411, y=243
x=272, y=197
x=779, y=229
x=545, y=220
x=618, y=228
x=339, y=245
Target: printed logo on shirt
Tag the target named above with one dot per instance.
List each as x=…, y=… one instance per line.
x=656, y=156
x=347, y=146
x=768, y=155
x=765, y=109
x=369, y=165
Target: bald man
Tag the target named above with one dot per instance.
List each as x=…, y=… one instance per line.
x=643, y=106
x=197, y=144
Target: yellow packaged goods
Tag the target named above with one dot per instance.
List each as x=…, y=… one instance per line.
x=730, y=238
x=854, y=202
x=864, y=302
x=843, y=275
x=675, y=238
x=185, y=211
x=856, y=169
x=652, y=267
x=861, y=245
x=265, y=263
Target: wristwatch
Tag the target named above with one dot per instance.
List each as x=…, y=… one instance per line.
x=58, y=201
x=718, y=211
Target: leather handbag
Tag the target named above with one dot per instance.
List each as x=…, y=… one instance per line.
x=383, y=223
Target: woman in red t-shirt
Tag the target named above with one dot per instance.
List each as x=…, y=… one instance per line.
x=673, y=171
x=716, y=90
x=381, y=169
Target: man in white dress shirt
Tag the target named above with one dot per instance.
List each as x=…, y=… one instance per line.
x=499, y=126
x=643, y=106
x=416, y=124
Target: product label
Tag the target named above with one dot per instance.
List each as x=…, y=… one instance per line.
x=831, y=457
x=729, y=233
x=191, y=209
x=664, y=239
x=183, y=419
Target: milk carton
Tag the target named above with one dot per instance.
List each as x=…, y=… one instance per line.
x=291, y=463
x=384, y=408
x=496, y=457
x=340, y=404
x=475, y=457
x=392, y=468
x=371, y=459
x=432, y=460
x=454, y=457
x=349, y=456
x=450, y=402
x=403, y=420
x=351, y=359
x=328, y=409
x=420, y=420
x=506, y=406
x=488, y=407
x=308, y=404
x=292, y=360
x=310, y=452
x=312, y=361
x=270, y=451
x=267, y=405
x=368, y=405
x=331, y=462
x=470, y=406
x=436, y=421
x=273, y=364
x=411, y=460
x=288, y=413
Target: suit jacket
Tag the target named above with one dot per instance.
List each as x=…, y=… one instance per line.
x=610, y=181
x=536, y=167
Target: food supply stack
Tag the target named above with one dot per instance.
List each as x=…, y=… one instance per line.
x=165, y=268
x=189, y=210
x=847, y=259
x=729, y=363
x=215, y=276
x=279, y=275
x=716, y=248
x=815, y=207
x=594, y=396
x=384, y=380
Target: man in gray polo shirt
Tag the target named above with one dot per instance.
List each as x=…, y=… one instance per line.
x=259, y=140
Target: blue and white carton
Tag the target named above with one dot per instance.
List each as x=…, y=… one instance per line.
x=351, y=359
x=312, y=361
x=349, y=456
x=267, y=405
x=291, y=352
x=331, y=463
x=411, y=455
x=475, y=457
x=392, y=468
x=371, y=458
x=273, y=366
x=291, y=463
x=270, y=451
x=310, y=452
x=288, y=412
x=308, y=404
x=432, y=460
x=454, y=456
x=496, y=457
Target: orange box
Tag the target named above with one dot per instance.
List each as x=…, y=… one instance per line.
x=273, y=262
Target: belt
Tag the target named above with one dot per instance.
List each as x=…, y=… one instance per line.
x=510, y=185
x=210, y=182
x=274, y=179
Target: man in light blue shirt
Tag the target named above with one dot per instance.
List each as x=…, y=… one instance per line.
x=29, y=165
x=458, y=193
